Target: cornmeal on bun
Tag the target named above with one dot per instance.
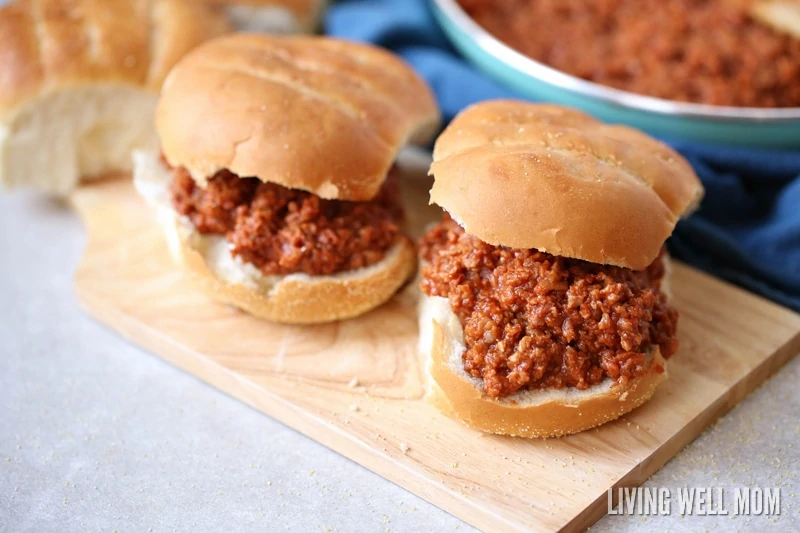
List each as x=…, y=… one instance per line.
x=545, y=309
x=276, y=181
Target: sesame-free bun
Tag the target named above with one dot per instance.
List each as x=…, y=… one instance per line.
x=80, y=82
x=311, y=113
x=528, y=413
x=552, y=178
x=291, y=299
x=272, y=16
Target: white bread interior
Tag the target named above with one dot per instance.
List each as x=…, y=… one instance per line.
x=51, y=142
x=528, y=413
x=267, y=19
x=780, y=15
x=295, y=298
x=271, y=18
x=80, y=79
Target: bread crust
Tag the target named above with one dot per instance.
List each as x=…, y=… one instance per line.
x=562, y=412
x=311, y=113
x=551, y=178
x=48, y=45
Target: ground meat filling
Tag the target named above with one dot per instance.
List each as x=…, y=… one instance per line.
x=285, y=231
x=704, y=51
x=533, y=320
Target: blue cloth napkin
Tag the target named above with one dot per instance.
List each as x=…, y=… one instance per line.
x=748, y=228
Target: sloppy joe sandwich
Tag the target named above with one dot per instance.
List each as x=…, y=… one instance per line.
x=272, y=16
x=80, y=83
x=545, y=310
x=276, y=181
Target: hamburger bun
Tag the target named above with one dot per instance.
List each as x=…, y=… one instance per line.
x=272, y=16
x=527, y=413
x=80, y=83
x=551, y=178
x=292, y=299
x=310, y=113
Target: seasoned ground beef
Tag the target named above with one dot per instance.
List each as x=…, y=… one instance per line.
x=284, y=231
x=705, y=51
x=533, y=320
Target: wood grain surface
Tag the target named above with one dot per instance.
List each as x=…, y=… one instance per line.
x=357, y=386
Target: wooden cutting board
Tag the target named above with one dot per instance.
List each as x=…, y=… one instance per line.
x=357, y=386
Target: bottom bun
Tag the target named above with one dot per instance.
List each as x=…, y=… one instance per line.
x=290, y=299
x=528, y=413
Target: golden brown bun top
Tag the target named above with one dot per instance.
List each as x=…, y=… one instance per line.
x=310, y=113
x=46, y=45
x=547, y=177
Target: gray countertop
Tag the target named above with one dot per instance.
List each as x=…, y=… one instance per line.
x=98, y=435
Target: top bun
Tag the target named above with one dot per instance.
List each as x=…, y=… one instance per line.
x=273, y=16
x=524, y=175
x=49, y=45
x=309, y=113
